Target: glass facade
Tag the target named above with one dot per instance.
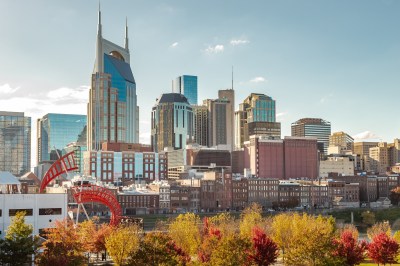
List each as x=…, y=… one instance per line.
x=186, y=85
x=15, y=143
x=55, y=131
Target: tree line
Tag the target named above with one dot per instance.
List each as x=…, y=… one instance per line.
x=292, y=238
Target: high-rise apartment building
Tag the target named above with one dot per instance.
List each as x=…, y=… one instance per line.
x=113, y=113
x=186, y=85
x=394, y=152
x=256, y=116
x=362, y=149
x=313, y=127
x=15, y=143
x=171, y=122
x=379, y=158
x=229, y=94
x=342, y=140
x=55, y=131
x=200, y=113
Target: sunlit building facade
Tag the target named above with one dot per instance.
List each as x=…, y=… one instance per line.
x=186, y=85
x=113, y=113
x=15, y=143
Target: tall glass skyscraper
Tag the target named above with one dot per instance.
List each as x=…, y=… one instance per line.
x=313, y=127
x=15, y=143
x=113, y=114
x=55, y=131
x=186, y=85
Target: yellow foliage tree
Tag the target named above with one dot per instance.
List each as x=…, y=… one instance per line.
x=123, y=241
x=376, y=229
x=250, y=217
x=225, y=223
x=185, y=231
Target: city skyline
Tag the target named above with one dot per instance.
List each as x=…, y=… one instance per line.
x=327, y=60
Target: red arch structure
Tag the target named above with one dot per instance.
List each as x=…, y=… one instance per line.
x=89, y=193
x=63, y=165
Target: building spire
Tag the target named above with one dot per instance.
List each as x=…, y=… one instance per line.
x=232, y=78
x=99, y=22
x=126, y=34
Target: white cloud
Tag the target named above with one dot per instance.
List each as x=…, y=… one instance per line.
x=365, y=135
x=175, y=44
x=280, y=117
x=79, y=94
x=219, y=48
x=258, y=80
x=6, y=89
x=325, y=98
x=239, y=42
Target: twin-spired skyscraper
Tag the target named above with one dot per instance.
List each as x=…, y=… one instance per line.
x=113, y=114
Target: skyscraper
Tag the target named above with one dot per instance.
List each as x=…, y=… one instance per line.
x=186, y=85
x=313, y=127
x=55, y=131
x=15, y=143
x=256, y=116
x=200, y=113
x=341, y=139
x=113, y=114
x=171, y=122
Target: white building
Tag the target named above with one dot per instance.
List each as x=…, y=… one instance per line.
x=340, y=165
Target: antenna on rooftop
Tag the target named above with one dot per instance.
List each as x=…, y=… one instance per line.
x=232, y=78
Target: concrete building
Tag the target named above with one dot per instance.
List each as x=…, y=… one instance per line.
x=110, y=166
x=342, y=140
x=379, y=158
x=15, y=143
x=41, y=210
x=256, y=116
x=171, y=122
x=394, y=152
x=313, y=127
x=229, y=95
x=342, y=165
x=186, y=85
x=113, y=113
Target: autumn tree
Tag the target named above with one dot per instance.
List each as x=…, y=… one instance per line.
x=264, y=250
x=383, y=249
x=122, y=242
x=62, y=247
x=376, y=229
x=349, y=249
x=395, y=196
x=157, y=248
x=211, y=239
x=224, y=222
x=231, y=250
x=19, y=244
x=250, y=217
x=309, y=238
x=185, y=232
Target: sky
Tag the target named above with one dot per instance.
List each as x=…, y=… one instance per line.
x=337, y=60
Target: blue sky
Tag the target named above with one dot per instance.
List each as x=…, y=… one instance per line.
x=337, y=60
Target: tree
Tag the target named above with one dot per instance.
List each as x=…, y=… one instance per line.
x=185, y=232
x=211, y=239
x=376, y=229
x=63, y=246
x=395, y=196
x=309, y=238
x=122, y=241
x=157, y=248
x=231, y=250
x=224, y=222
x=250, y=217
x=368, y=218
x=383, y=249
x=19, y=244
x=348, y=249
x=264, y=251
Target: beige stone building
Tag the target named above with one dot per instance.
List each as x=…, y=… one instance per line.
x=343, y=165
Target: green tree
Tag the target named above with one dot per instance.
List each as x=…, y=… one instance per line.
x=368, y=218
x=122, y=242
x=19, y=244
x=62, y=247
x=185, y=232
